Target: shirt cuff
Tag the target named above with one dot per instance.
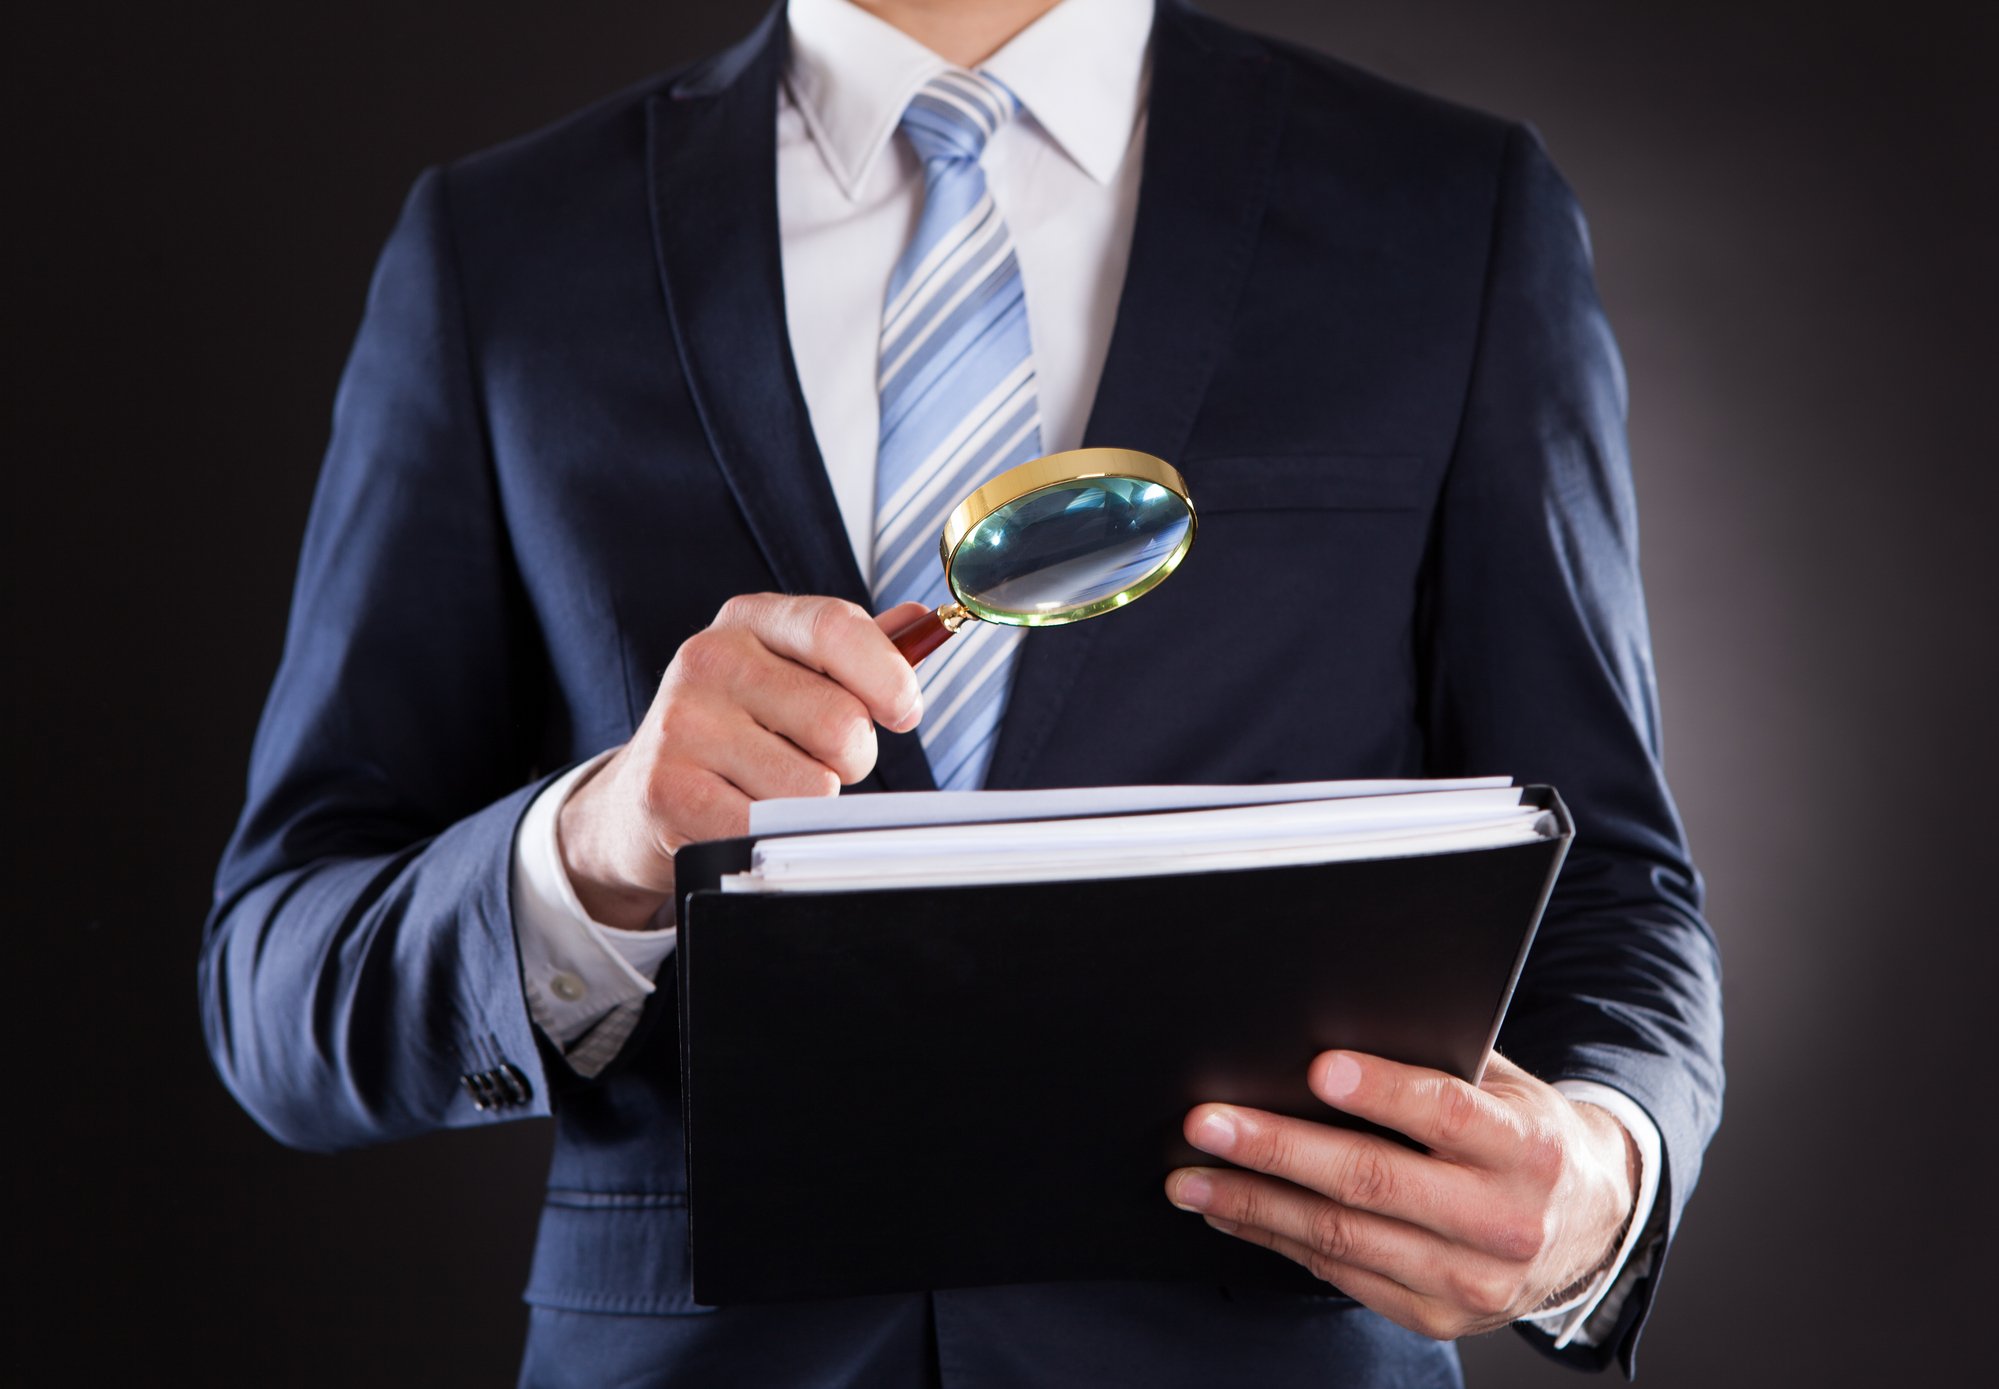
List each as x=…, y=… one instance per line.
x=1593, y=1312
x=586, y=982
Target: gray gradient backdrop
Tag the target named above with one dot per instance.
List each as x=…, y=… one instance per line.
x=1794, y=226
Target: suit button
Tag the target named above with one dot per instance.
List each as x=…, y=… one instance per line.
x=512, y=1083
x=479, y=1086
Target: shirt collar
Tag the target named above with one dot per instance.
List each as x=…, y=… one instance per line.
x=1079, y=70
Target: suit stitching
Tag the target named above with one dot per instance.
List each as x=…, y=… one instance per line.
x=569, y=1198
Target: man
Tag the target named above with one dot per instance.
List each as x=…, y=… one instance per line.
x=625, y=384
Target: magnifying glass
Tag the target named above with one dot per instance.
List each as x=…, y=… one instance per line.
x=1056, y=540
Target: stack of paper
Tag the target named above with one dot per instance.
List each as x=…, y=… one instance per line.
x=958, y=838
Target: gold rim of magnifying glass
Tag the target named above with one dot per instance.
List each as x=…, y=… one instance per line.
x=1060, y=470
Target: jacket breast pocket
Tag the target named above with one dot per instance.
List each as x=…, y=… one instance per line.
x=1304, y=575
x=1310, y=482
x=1283, y=647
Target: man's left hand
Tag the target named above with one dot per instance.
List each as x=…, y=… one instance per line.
x=1521, y=1195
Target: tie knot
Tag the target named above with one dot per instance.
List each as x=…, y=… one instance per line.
x=954, y=115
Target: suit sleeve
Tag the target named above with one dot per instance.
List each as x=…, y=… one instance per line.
x=359, y=977
x=1538, y=662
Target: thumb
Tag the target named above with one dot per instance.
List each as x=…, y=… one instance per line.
x=890, y=623
x=900, y=616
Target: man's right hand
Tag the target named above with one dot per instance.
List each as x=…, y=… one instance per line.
x=778, y=697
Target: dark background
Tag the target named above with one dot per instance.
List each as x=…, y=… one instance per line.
x=1793, y=219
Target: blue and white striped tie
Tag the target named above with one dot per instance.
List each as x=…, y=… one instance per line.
x=958, y=405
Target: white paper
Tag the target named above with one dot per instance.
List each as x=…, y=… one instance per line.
x=812, y=814
x=1344, y=825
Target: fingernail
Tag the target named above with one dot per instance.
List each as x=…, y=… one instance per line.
x=1342, y=1077
x=1193, y=1192
x=1227, y=1227
x=1216, y=1133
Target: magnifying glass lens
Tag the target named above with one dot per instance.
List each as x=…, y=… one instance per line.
x=1070, y=550
x=1056, y=540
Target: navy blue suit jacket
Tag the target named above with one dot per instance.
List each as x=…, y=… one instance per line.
x=1362, y=321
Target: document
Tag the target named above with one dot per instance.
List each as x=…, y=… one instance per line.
x=983, y=838
x=887, y=810
x=886, y=1004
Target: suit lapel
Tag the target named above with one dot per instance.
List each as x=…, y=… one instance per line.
x=713, y=168
x=1213, y=118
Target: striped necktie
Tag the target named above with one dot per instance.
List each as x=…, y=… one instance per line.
x=958, y=405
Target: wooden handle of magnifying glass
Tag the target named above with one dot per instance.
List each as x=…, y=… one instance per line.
x=918, y=639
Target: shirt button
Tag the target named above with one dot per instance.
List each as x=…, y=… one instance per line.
x=568, y=988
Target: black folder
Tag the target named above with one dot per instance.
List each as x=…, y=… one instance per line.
x=917, y=1088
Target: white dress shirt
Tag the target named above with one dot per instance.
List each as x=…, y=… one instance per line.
x=1064, y=173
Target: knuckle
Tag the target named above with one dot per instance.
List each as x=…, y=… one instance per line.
x=1458, y=1112
x=1323, y=1268
x=1542, y=1156
x=673, y=717
x=711, y=812
x=675, y=802
x=1277, y=1148
x=819, y=781
x=1255, y=1206
x=1484, y=1295
x=742, y=610
x=782, y=769
x=685, y=734
x=856, y=757
x=1369, y=1180
x=1538, y=1160
x=705, y=656
x=1257, y=1145
x=653, y=796
x=1519, y=1239
x=1332, y=1234
x=833, y=619
x=833, y=728
x=838, y=725
x=1439, y=1324
x=687, y=798
x=1241, y=1202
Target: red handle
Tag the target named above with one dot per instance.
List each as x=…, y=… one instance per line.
x=918, y=639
